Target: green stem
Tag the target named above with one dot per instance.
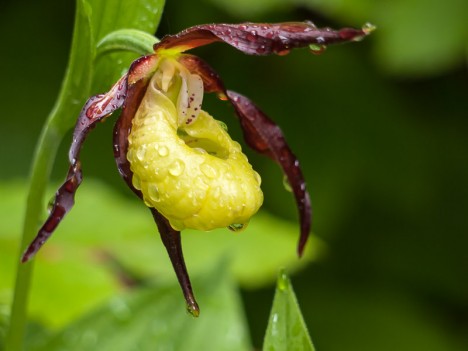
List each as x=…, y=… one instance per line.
x=43, y=162
x=73, y=93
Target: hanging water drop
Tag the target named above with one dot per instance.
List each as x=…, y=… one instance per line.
x=163, y=151
x=140, y=154
x=136, y=182
x=209, y=171
x=50, y=204
x=282, y=52
x=222, y=96
x=368, y=28
x=222, y=125
x=286, y=184
x=317, y=49
x=176, y=168
x=237, y=227
x=154, y=193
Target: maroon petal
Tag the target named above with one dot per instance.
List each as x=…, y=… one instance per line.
x=95, y=109
x=138, y=80
x=172, y=241
x=259, y=38
x=264, y=136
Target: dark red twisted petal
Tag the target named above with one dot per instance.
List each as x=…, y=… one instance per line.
x=95, y=109
x=138, y=79
x=265, y=137
x=259, y=38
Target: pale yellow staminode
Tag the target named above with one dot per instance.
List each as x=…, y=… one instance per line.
x=184, y=162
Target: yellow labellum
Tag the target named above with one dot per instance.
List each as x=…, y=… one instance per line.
x=184, y=162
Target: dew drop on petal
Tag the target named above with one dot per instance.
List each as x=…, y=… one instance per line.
x=209, y=171
x=176, y=168
x=50, y=204
x=222, y=125
x=200, y=150
x=368, y=28
x=136, y=182
x=282, y=52
x=153, y=192
x=287, y=185
x=222, y=96
x=120, y=309
x=258, y=178
x=317, y=49
x=140, y=154
x=163, y=151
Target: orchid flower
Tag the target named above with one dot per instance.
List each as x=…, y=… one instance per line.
x=176, y=157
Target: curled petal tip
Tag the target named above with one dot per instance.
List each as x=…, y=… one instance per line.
x=368, y=28
x=27, y=256
x=193, y=309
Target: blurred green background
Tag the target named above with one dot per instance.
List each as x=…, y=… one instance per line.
x=380, y=128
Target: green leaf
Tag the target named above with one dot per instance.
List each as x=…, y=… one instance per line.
x=155, y=318
x=113, y=15
x=131, y=40
x=286, y=328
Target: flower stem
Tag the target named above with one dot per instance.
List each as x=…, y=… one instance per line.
x=73, y=93
x=43, y=161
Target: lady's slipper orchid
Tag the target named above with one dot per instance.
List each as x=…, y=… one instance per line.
x=178, y=158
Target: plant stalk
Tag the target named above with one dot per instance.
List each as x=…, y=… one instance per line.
x=46, y=150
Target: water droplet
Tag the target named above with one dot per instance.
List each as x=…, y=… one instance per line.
x=193, y=309
x=222, y=96
x=252, y=36
x=120, y=309
x=50, y=204
x=200, y=150
x=153, y=192
x=317, y=49
x=283, y=281
x=237, y=227
x=282, y=52
x=136, y=182
x=368, y=28
x=222, y=125
x=147, y=203
x=140, y=154
x=258, y=178
x=176, y=168
x=163, y=151
x=286, y=184
x=177, y=225
x=261, y=49
x=209, y=171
